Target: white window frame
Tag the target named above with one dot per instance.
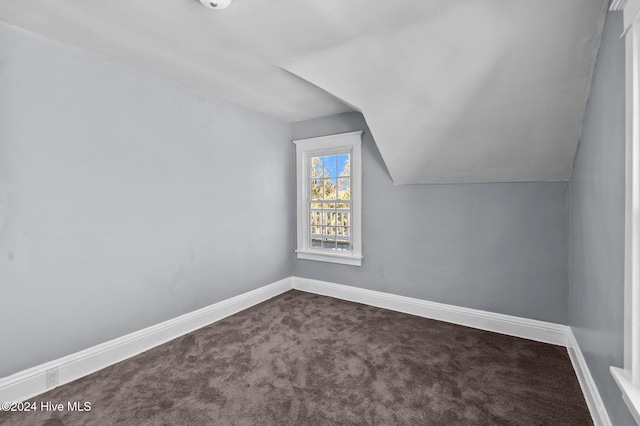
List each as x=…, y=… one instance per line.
x=305, y=149
x=628, y=378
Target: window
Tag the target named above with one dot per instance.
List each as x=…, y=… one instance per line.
x=629, y=378
x=329, y=198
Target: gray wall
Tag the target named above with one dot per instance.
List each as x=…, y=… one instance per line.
x=496, y=247
x=126, y=200
x=596, y=243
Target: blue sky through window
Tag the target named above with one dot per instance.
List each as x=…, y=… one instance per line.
x=333, y=165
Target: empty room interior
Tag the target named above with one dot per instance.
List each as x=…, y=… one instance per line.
x=281, y=212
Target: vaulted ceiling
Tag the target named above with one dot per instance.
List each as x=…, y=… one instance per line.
x=452, y=90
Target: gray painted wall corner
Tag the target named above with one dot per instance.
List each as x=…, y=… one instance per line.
x=125, y=199
x=496, y=247
x=596, y=218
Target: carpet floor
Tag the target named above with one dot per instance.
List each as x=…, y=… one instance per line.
x=304, y=359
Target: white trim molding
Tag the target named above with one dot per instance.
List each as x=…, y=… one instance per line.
x=350, y=142
x=29, y=383
x=540, y=331
x=630, y=10
x=628, y=378
x=632, y=205
x=617, y=5
x=630, y=393
x=587, y=384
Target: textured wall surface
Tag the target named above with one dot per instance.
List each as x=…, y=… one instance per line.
x=596, y=243
x=126, y=200
x=497, y=247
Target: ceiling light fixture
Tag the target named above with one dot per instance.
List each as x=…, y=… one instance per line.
x=216, y=4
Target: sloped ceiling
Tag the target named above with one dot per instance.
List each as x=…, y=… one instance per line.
x=453, y=90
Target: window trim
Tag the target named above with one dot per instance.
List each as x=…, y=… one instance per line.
x=305, y=149
x=628, y=378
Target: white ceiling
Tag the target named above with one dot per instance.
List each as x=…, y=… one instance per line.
x=453, y=90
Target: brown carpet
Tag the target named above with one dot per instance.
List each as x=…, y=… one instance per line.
x=303, y=359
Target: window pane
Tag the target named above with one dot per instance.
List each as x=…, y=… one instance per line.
x=329, y=164
x=315, y=218
x=329, y=240
x=316, y=167
x=330, y=188
x=344, y=188
x=343, y=207
x=344, y=164
x=316, y=189
x=316, y=242
x=343, y=232
x=328, y=209
x=343, y=242
x=330, y=218
x=329, y=222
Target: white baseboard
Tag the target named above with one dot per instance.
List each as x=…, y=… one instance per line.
x=31, y=382
x=540, y=331
x=589, y=389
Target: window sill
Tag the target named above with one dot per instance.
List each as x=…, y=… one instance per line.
x=630, y=393
x=323, y=256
